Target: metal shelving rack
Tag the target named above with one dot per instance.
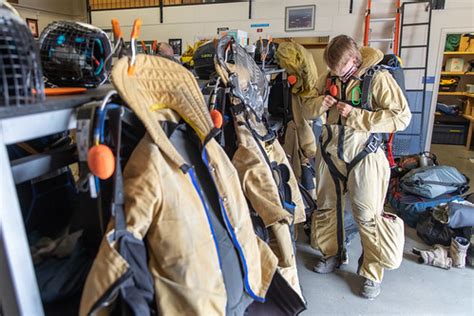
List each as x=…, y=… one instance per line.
x=19, y=293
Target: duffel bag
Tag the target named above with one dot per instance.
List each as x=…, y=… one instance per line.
x=433, y=181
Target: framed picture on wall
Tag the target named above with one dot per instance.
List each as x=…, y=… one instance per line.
x=176, y=44
x=33, y=26
x=300, y=18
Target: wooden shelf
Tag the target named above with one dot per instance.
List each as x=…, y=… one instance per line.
x=459, y=53
x=457, y=73
x=463, y=94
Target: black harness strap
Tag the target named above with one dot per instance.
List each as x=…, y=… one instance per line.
x=118, y=201
x=337, y=178
x=366, y=84
x=373, y=143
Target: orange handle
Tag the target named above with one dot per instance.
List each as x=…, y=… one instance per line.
x=144, y=47
x=137, y=25
x=154, y=46
x=116, y=28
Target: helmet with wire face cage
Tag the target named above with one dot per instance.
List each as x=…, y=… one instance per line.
x=75, y=54
x=21, y=80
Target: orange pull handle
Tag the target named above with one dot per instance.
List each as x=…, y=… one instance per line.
x=292, y=80
x=333, y=90
x=116, y=29
x=137, y=25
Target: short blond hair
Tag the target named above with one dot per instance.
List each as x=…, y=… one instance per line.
x=339, y=50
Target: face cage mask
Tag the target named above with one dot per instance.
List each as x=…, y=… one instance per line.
x=248, y=84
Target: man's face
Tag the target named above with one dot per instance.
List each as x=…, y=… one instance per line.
x=346, y=70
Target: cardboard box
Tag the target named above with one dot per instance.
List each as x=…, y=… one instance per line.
x=467, y=43
x=454, y=64
x=240, y=37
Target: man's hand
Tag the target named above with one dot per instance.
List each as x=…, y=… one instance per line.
x=344, y=109
x=328, y=102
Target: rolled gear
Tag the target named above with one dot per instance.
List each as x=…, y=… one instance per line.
x=300, y=142
x=437, y=257
x=300, y=63
x=458, y=251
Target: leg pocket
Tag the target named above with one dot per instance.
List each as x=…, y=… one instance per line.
x=391, y=239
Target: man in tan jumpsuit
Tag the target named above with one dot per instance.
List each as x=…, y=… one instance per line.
x=346, y=134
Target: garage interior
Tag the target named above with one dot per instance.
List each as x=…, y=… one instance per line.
x=51, y=192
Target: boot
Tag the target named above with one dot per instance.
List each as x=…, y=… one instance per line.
x=326, y=265
x=371, y=289
x=437, y=257
x=458, y=251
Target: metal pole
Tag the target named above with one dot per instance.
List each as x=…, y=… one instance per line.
x=19, y=294
x=161, y=11
x=250, y=9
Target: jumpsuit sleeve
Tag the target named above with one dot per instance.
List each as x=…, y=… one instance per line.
x=143, y=192
x=311, y=104
x=391, y=112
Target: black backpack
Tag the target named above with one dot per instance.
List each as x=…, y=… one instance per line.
x=389, y=62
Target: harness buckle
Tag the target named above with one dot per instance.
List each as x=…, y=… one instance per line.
x=373, y=144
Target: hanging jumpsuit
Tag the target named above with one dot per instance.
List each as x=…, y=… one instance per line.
x=367, y=182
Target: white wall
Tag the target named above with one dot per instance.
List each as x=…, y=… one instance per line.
x=190, y=22
x=47, y=11
x=332, y=18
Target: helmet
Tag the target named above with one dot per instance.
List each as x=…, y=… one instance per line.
x=75, y=54
x=204, y=60
x=21, y=80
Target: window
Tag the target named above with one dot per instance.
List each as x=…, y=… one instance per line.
x=127, y=4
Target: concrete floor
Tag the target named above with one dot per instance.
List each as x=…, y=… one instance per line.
x=413, y=289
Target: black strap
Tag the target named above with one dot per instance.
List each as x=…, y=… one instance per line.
x=118, y=201
x=340, y=142
x=223, y=101
x=337, y=178
x=213, y=133
x=327, y=158
x=286, y=105
x=366, y=85
x=373, y=143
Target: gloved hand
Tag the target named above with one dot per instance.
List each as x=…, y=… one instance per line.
x=437, y=257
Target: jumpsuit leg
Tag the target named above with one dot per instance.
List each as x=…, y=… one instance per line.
x=324, y=223
x=368, y=184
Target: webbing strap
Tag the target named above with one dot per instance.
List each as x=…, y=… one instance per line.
x=366, y=84
x=373, y=143
x=337, y=178
x=118, y=201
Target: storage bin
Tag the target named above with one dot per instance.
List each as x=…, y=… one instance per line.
x=449, y=134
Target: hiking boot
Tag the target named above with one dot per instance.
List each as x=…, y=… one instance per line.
x=326, y=264
x=458, y=251
x=371, y=289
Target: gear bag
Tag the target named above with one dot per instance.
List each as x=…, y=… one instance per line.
x=433, y=181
